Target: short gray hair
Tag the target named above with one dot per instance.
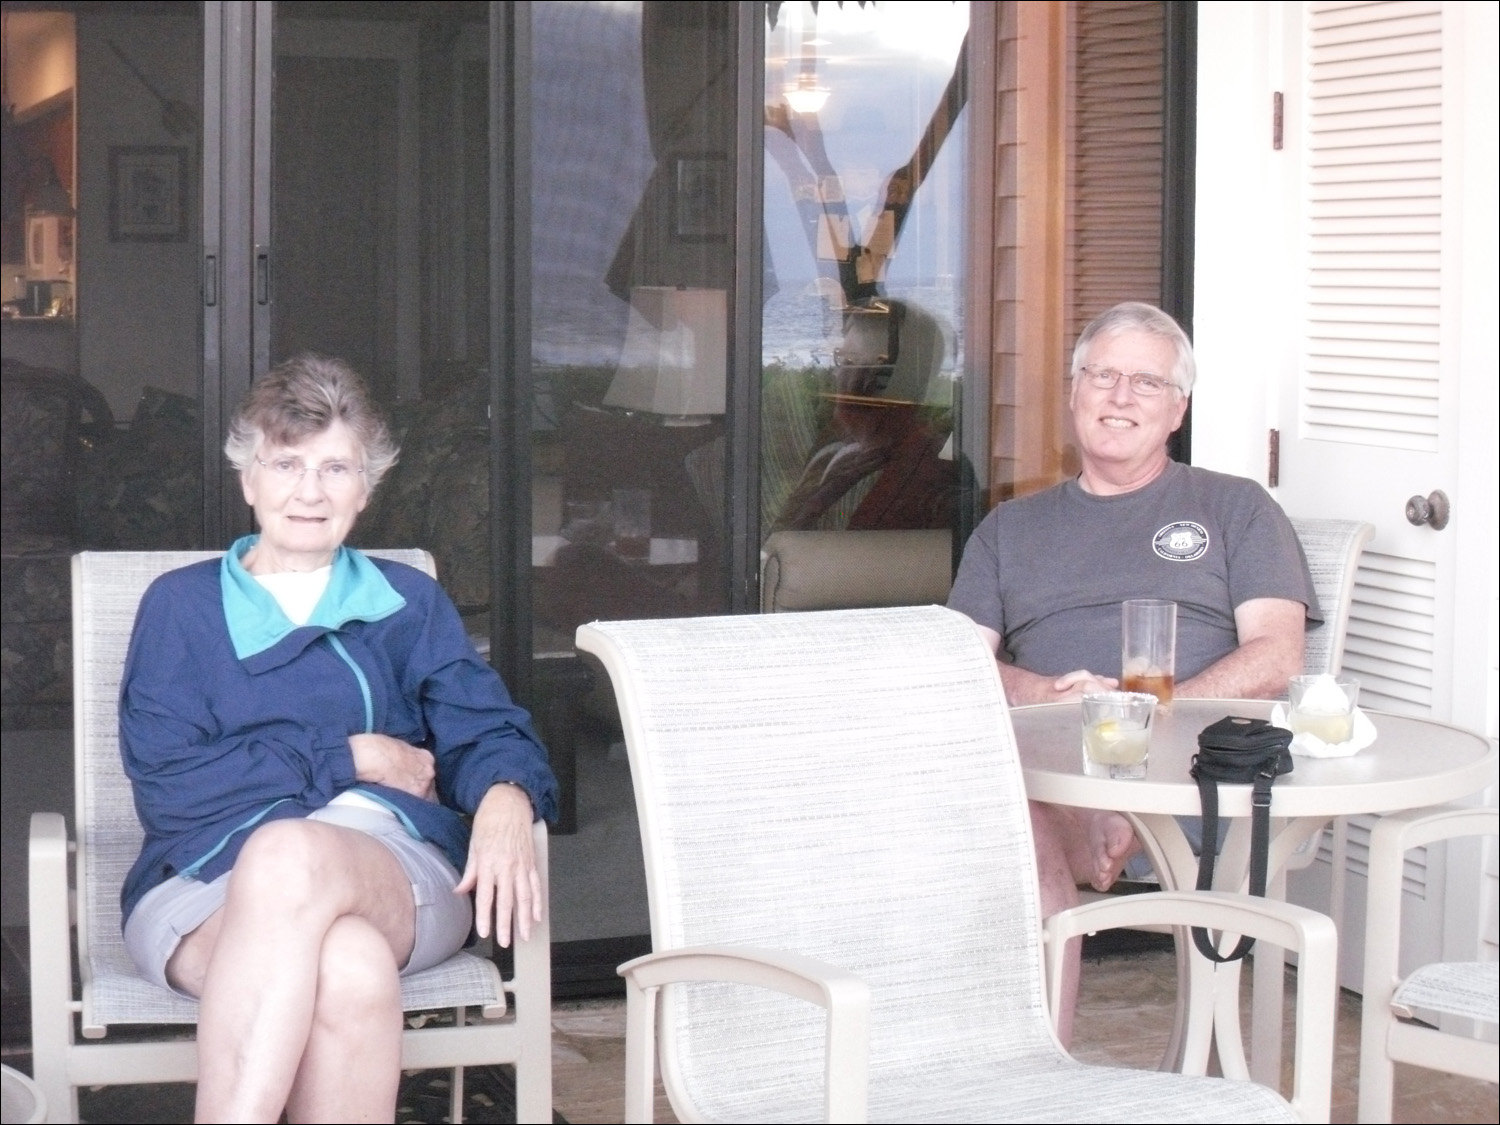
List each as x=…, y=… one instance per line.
x=303, y=396
x=1137, y=316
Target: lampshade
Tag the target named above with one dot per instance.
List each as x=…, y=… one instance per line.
x=49, y=197
x=673, y=363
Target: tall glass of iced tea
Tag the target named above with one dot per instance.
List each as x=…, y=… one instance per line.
x=1148, y=647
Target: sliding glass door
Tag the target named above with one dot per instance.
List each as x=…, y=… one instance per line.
x=103, y=325
x=631, y=116
x=862, y=336
x=103, y=337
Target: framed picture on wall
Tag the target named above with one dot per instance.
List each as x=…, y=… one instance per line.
x=148, y=198
x=701, y=203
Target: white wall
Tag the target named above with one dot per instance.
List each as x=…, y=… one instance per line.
x=1237, y=263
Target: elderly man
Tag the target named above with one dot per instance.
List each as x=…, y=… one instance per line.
x=1043, y=576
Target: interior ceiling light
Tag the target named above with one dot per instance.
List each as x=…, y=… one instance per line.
x=806, y=95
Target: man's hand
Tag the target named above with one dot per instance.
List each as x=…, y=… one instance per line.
x=1076, y=684
x=1022, y=686
x=383, y=760
x=502, y=865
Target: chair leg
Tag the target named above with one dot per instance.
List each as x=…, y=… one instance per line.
x=456, y=1088
x=51, y=1043
x=534, y=1091
x=640, y=1052
x=1376, y=1078
x=532, y=991
x=51, y=966
x=534, y=1078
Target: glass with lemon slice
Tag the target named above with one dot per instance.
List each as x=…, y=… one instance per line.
x=1117, y=733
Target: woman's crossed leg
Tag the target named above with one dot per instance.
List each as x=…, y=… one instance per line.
x=298, y=978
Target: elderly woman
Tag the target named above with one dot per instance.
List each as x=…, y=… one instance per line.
x=304, y=728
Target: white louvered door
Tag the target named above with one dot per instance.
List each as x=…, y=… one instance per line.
x=1371, y=409
x=1364, y=430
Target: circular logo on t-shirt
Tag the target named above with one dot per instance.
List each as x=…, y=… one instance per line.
x=1183, y=541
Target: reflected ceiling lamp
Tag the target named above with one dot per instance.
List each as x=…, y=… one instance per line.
x=806, y=95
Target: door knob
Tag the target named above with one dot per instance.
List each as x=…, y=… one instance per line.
x=1433, y=510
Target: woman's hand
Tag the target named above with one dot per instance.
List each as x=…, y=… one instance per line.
x=383, y=760
x=502, y=864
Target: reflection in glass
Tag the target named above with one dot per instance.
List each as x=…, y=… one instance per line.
x=380, y=219
x=102, y=426
x=633, y=146
x=862, y=330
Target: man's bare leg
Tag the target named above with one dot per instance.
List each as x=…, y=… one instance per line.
x=1076, y=846
x=1050, y=829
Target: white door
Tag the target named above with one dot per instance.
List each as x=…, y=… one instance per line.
x=1383, y=190
x=1346, y=287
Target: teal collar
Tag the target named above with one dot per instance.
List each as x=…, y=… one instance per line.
x=357, y=591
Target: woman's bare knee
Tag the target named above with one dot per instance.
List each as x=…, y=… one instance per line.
x=358, y=975
x=301, y=876
x=281, y=861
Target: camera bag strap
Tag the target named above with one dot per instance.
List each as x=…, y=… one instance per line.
x=1209, y=768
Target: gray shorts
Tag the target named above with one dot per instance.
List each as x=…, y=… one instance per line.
x=174, y=909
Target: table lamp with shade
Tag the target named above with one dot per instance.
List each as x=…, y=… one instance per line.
x=674, y=362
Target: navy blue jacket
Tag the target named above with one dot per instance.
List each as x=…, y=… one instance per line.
x=230, y=716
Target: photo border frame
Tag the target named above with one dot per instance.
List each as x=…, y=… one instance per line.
x=700, y=207
x=148, y=193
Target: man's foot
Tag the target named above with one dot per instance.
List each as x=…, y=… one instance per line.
x=1111, y=842
x=1099, y=844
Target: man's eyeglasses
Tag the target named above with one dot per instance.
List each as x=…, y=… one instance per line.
x=1142, y=383
x=334, y=475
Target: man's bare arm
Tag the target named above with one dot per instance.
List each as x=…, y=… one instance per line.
x=1022, y=686
x=1270, y=653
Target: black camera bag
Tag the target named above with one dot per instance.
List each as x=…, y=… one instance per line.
x=1237, y=751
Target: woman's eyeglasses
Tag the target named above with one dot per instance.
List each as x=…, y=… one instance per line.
x=333, y=474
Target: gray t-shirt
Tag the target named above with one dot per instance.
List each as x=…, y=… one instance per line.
x=1048, y=572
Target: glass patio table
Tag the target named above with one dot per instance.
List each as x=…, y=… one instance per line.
x=1413, y=762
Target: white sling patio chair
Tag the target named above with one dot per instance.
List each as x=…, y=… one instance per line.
x=1465, y=990
x=107, y=587
x=1332, y=549
x=831, y=807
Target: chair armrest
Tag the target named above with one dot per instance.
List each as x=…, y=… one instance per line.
x=1393, y=835
x=1411, y=828
x=531, y=962
x=1281, y=923
x=844, y=996
x=47, y=871
x=1312, y=935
